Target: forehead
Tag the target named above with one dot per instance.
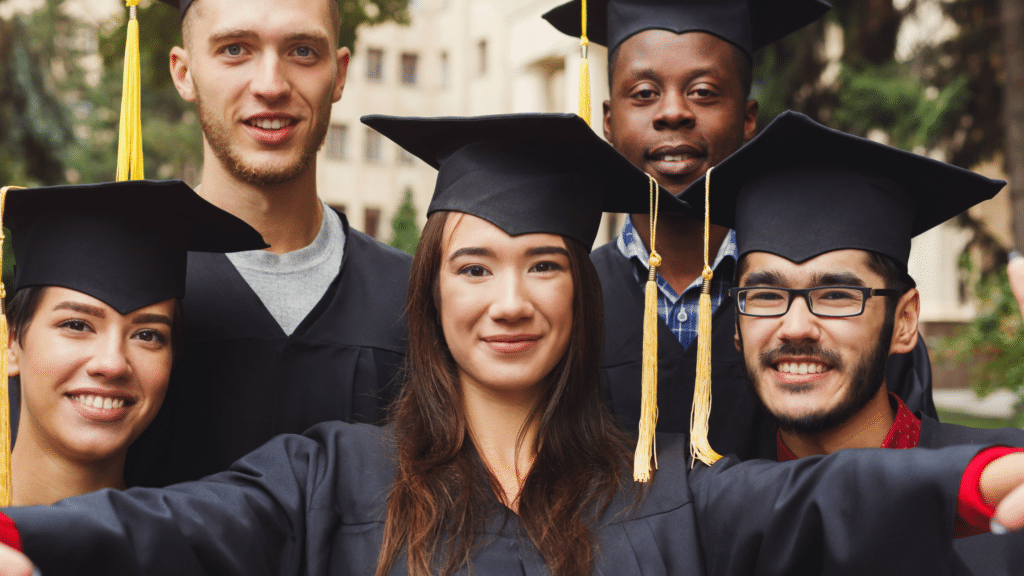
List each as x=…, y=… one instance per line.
x=809, y=272
x=264, y=18
x=667, y=53
x=463, y=230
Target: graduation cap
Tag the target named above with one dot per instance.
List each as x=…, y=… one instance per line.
x=749, y=24
x=800, y=189
x=123, y=243
x=547, y=173
x=179, y=4
x=525, y=173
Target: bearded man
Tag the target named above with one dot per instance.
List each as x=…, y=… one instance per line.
x=311, y=329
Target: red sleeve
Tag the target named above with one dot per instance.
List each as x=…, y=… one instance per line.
x=9, y=533
x=972, y=514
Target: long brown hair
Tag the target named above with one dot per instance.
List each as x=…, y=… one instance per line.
x=443, y=495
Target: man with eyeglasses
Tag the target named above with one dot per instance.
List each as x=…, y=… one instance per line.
x=823, y=223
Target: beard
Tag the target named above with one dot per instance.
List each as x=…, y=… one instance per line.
x=219, y=137
x=866, y=377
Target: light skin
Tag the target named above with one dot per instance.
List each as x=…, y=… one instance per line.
x=92, y=380
x=677, y=107
x=776, y=349
x=506, y=313
x=263, y=79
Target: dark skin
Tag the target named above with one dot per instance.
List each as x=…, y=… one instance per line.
x=677, y=107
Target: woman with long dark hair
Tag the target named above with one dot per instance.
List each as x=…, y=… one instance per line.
x=501, y=458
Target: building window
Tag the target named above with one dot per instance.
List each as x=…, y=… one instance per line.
x=337, y=142
x=481, y=49
x=409, y=62
x=374, y=143
x=444, y=70
x=375, y=64
x=371, y=221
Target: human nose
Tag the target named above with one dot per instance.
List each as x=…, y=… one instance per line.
x=798, y=323
x=269, y=81
x=674, y=111
x=109, y=359
x=512, y=301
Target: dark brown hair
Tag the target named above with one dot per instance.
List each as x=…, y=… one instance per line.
x=443, y=495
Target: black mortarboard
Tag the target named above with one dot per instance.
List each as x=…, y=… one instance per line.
x=179, y=4
x=525, y=173
x=749, y=24
x=123, y=243
x=800, y=189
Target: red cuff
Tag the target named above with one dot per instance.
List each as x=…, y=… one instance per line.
x=9, y=533
x=972, y=514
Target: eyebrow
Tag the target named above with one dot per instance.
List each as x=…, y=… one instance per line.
x=471, y=251
x=81, y=308
x=773, y=278
x=249, y=34
x=487, y=252
x=542, y=250
x=152, y=318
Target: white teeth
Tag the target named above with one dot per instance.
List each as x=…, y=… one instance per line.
x=674, y=158
x=99, y=401
x=267, y=124
x=119, y=403
x=107, y=403
x=801, y=367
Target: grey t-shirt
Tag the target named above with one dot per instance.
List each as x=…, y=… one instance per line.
x=291, y=284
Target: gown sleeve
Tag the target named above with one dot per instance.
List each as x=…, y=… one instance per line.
x=259, y=518
x=854, y=512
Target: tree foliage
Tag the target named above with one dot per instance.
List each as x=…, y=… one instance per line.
x=405, y=235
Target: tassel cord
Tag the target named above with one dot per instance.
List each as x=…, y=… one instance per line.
x=646, y=450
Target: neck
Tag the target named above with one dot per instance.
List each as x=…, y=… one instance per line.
x=42, y=475
x=681, y=246
x=866, y=429
x=287, y=215
x=496, y=424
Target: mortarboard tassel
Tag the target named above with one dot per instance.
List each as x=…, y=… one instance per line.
x=645, y=447
x=129, y=142
x=700, y=412
x=6, y=487
x=584, y=104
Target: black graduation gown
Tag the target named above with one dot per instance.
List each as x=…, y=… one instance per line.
x=738, y=424
x=314, y=505
x=241, y=380
x=984, y=554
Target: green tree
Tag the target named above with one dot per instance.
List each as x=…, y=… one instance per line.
x=405, y=235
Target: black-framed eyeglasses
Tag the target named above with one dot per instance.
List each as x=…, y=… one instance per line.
x=824, y=301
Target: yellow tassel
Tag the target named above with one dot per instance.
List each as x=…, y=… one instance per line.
x=6, y=485
x=584, y=103
x=129, y=143
x=646, y=449
x=700, y=411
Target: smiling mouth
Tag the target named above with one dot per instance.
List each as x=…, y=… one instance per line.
x=100, y=402
x=801, y=367
x=270, y=123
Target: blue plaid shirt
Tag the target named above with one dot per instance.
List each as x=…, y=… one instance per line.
x=679, y=313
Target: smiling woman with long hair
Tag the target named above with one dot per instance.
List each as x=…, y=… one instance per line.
x=94, y=318
x=501, y=459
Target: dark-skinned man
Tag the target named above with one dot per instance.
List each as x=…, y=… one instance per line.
x=680, y=80
x=311, y=329
x=823, y=223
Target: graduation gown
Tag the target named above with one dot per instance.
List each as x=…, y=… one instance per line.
x=983, y=554
x=241, y=380
x=738, y=424
x=314, y=505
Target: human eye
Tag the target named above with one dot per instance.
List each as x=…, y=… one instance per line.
x=151, y=336
x=546, y=266
x=75, y=325
x=644, y=93
x=306, y=52
x=233, y=50
x=474, y=270
x=764, y=296
x=702, y=91
x=837, y=295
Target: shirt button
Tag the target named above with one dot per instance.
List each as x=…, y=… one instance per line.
x=682, y=316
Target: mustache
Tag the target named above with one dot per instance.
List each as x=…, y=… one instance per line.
x=808, y=351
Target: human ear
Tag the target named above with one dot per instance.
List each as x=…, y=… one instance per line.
x=342, y=56
x=181, y=74
x=908, y=312
x=607, y=106
x=13, y=357
x=750, y=120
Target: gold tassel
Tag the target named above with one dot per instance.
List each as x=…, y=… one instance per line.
x=129, y=142
x=700, y=412
x=6, y=485
x=645, y=445
x=584, y=103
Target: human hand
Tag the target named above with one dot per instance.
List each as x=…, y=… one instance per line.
x=1002, y=486
x=14, y=563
